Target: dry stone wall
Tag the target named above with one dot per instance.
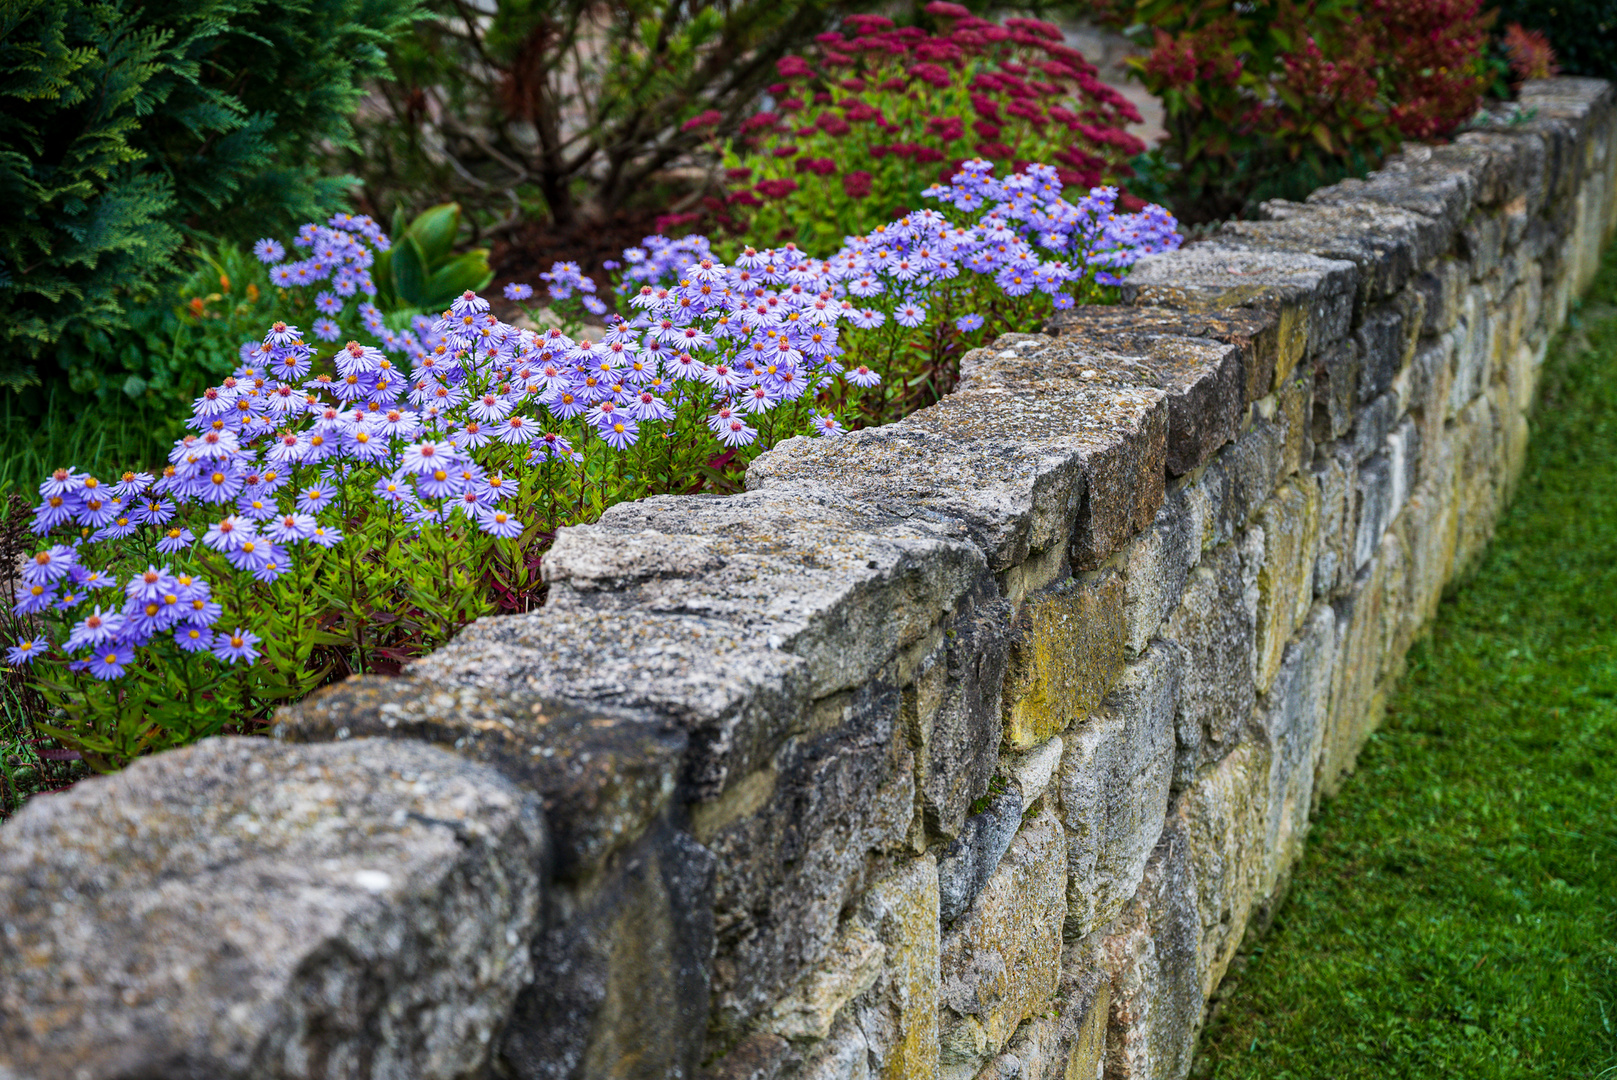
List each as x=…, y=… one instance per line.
x=971, y=746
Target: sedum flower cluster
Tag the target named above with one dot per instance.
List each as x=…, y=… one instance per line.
x=343, y=510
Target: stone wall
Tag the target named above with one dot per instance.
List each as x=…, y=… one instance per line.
x=968, y=746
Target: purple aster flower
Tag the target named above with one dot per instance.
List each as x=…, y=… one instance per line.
x=150, y=585
x=229, y=533
x=316, y=497
x=622, y=433
x=424, y=457
x=110, y=661
x=49, y=566
x=175, y=540
x=236, y=645
x=967, y=323
x=326, y=536
x=827, y=424
x=496, y=522
x=288, y=528
x=862, y=376
x=252, y=554
x=269, y=251
x=193, y=637
x=518, y=291
x=327, y=330
x=32, y=599
x=25, y=650
x=327, y=304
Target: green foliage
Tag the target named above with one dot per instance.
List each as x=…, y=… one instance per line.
x=565, y=107
x=1454, y=914
x=126, y=126
x=1584, y=32
x=421, y=270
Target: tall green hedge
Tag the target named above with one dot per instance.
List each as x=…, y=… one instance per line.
x=128, y=125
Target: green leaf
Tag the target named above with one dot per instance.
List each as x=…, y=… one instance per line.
x=468, y=271
x=435, y=231
x=409, y=272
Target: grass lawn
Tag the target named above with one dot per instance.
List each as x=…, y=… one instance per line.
x=1455, y=914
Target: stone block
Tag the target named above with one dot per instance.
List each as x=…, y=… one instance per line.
x=733, y=696
x=1387, y=244
x=1335, y=475
x=1403, y=463
x=1256, y=333
x=1477, y=452
x=1387, y=335
x=1311, y=297
x=968, y=863
x=1293, y=717
x=1213, y=630
x=1032, y=770
x=799, y=839
x=1393, y=564
x=809, y=573
x=957, y=738
x=1054, y=470
x=1427, y=392
x=1374, y=490
x=1225, y=814
x=242, y=908
x=1515, y=169
x=1443, y=288
x=848, y=968
x=1375, y=422
x=1154, y=566
x=1353, y=715
x=1246, y=474
x=602, y=775
x=1203, y=379
x=1481, y=242
x=1067, y=651
x=1336, y=390
x=1001, y=962
x=1440, y=183
x=899, y=1016
x=1430, y=532
x=623, y=970
x=1473, y=346
x=1293, y=414
x=1290, y=523
x=1113, y=789
x=1066, y=1042
x=1151, y=957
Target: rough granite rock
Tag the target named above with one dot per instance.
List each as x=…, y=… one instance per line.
x=1387, y=244
x=1290, y=524
x=1213, y=631
x=1154, y=567
x=601, y=775
x=815, y=575
x=1203, y=379
x=965, y=866
x=1312, y=297
x=623, y=970
x=1256, y=333
x=1001, y=961
x=240, y=908
x=1067, y=651
x=1113, y=788
x=899, y=1015
x=1033, y=471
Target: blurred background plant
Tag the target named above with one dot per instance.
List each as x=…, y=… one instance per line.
x=1582, y=33
x=861, y=125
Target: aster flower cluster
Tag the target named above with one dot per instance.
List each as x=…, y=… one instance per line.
x=329, y=511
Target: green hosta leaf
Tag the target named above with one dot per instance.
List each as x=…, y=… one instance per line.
x=435, y=231
x=468, y=271
x=409, y=272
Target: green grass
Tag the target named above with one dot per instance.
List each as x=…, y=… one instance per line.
x=1455, y=914
x=101, y=438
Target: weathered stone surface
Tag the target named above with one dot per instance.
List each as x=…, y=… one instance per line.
x=1152, y=957
x=1403, y=462
x=1001, y=962
x=1290, y=523
x=1375, y=422
x=798, y=840
x=1515, y=168
x=806, y=572
x=1443, y=287
x=623, y=970
x=1336, y=390
x=735, y=697
x=1374, y=488
x=1115, y=776
x=1031, y=471
x=1353, y=708
x=1333, y=568
x=1256, y=333
x=1440, y=183
x=602, y=775
x=1387, y=336
x=1293, y=717
x=1478, y=452
x=849, y=967
x=1203, y=379
x=1032, y=770
x=1473, y=345
x=1226, y=817
x=1212, y=628
x=1246, y=474
x=1388, y=245
x=956, y=719
x=1066, y=1041
x=965, y=866
x=899, y=1016
x=1312, y=297
x=239, y=908
x=1154, y=567
x=1067, y=652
